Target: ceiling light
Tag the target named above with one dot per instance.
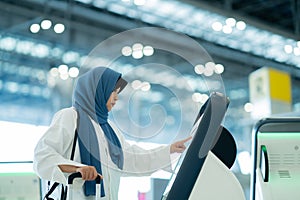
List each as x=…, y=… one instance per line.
x=288, y=49
x=36, y=91
x=64, y=76
x=199, y=98
x=59, y=28
x=137, y=51
x=12, y=87
x=46, y=24
x=227, y=29
x=63, y=69
x=73, y=72
x=196, y=97
x=137, y=54
x=240, y=25
x=137, y=47
x=219, y=68
x=51, y=82
x=217, y=26
x=296, y=51
x=145, y=86
x=231, y=22
x=248, y=107
x=54, y=72
x=208, y=72
x=24, y=47
x=204, y=98
x=8, y=43
x=126, y=51
x=40, y=50
x=210, y=65
x=148, y=51
x=34, y=28
x=136, y=84
x=199, y=69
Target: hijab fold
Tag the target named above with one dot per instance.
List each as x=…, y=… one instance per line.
x=91, y=94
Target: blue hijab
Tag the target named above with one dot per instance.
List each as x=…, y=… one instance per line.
x=91, y=94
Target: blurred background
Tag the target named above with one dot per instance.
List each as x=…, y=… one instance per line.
x=253, y=46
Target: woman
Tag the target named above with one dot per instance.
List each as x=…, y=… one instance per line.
x=101, y=148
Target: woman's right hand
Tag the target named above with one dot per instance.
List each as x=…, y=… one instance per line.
x=88, y=173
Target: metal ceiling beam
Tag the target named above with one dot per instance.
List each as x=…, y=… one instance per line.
x=254, y=6
x=295, y=7
x=228, y=4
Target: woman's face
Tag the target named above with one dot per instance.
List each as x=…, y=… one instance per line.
x=112, y=99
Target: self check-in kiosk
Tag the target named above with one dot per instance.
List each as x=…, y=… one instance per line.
x=276, y=159
x=203, y=171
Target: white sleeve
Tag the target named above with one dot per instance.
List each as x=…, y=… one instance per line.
x=54, y=147
x=142, y=162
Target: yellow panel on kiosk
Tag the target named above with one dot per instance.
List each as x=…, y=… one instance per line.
x=280, y=85
x=270, y=92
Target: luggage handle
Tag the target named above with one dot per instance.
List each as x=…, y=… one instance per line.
x=78, y=175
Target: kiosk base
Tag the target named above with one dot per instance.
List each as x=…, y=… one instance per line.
x=216, y=182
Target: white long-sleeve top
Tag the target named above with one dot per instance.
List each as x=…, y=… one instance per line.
x=55, y=146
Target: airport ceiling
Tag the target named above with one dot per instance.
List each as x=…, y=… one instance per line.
x=88, y=22
x=279, y=16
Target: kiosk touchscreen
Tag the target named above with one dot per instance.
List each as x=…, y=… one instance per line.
x=206, y=132
x=276, y=159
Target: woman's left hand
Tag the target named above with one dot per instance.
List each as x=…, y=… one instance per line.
x=179, y=146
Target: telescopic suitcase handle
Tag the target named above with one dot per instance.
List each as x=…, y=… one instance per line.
x=78, y=175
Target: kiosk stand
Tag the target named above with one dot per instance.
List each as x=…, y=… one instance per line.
x=276, y=159
x=204, y=171
x=216, y=181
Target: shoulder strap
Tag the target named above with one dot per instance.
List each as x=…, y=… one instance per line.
x=51, y=190
x=75, y=137
x=74, y=144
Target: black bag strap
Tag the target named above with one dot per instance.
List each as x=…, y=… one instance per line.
x=55, y=184
x=74, y=144
x=51, y=190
